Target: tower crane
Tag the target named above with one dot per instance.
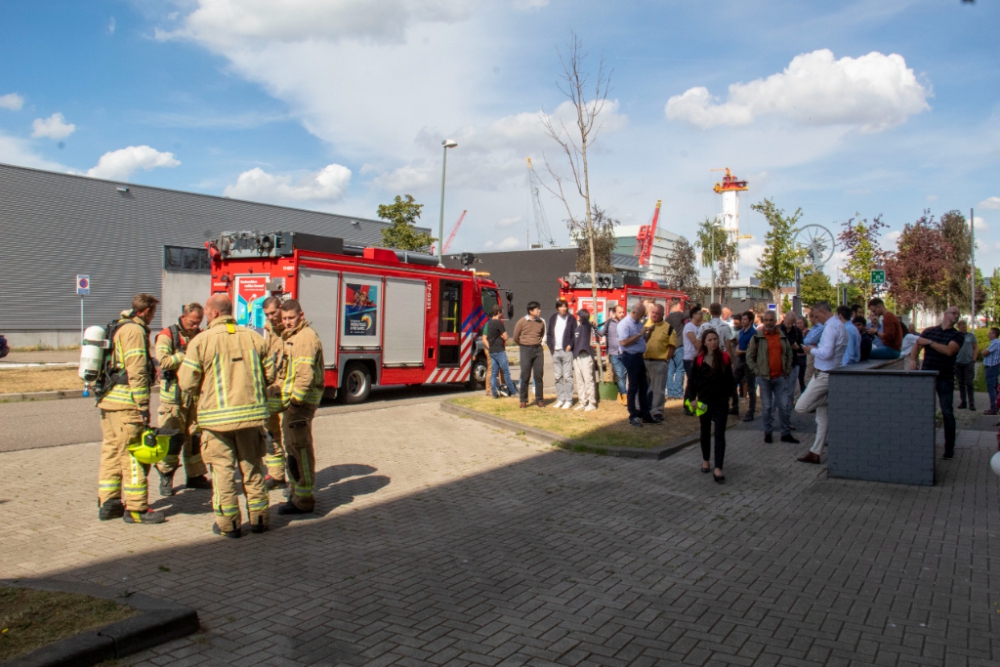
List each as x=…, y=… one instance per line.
x=646, y=237
x=541, y=223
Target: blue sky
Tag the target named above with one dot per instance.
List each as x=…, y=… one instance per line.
x=884, y=106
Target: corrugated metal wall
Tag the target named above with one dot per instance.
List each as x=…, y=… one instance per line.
x=55, y=226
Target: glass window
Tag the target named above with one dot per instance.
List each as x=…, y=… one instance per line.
x=490, y=299
x=451, y=297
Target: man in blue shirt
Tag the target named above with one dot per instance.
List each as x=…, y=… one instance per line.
x=632, y=342
x=991, y=366
x=852, y=354
x=812, y=337
x=741, y=371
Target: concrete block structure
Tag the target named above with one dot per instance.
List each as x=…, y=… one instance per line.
x=882, y=424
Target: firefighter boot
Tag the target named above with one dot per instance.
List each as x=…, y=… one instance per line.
x=199, y=482
x=111, y=509
x=271, y=483
x=149, y=516
x=291, y=508
x=232, y=534
x=259, y=527
x=166, y=483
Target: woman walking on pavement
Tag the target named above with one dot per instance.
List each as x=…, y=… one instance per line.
x=710, y=385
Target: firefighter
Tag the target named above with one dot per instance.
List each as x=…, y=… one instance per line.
x=177, y=411
x=275, y=458
x=124, y=416
x=301, y=390
x=227, y=369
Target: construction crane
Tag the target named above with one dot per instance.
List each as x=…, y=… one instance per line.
x=646, y=237
x=451, y=237
x=541, y=223
x=454, y=230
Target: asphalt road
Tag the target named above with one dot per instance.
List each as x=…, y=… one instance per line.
x=36, y=424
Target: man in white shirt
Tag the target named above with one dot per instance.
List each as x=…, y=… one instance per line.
x=828, y=355
x=562, y=328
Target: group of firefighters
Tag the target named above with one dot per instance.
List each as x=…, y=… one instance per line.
x=243, y=403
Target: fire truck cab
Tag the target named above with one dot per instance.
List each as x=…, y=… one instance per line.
x=613, y=290
x=385, y=317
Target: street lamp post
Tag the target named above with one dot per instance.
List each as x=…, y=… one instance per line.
x=447, y=143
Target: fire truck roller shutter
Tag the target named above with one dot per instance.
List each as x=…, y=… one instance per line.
x=318, y=295
x=405, y=326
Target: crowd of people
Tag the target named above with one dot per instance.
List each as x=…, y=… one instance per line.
x=727, y=356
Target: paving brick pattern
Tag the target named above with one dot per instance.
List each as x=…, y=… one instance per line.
x=444, y=542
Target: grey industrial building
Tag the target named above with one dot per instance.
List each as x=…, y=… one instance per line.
x=128, y=238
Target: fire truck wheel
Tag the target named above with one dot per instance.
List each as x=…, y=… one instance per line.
x=477, y=378
x=357, y=383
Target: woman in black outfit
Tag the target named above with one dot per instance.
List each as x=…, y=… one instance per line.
x=711, y=382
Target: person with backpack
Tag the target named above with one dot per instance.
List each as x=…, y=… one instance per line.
x=124, y=404
x=177, y=410
x=710, y=384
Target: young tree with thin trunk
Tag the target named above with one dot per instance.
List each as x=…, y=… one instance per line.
x=681, y=273
x=589, y=99
x=860, y=239
x=718, y=252
x=780, y=256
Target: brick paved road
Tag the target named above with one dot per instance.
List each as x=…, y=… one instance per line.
x=444, y=542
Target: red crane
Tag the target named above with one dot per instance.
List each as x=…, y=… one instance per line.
x=646, y=236
x=451, y=237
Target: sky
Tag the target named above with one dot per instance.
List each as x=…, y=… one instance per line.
x=842, y=109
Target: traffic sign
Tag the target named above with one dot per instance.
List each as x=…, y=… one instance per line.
x=878, y=277
x=82, y=285
x=772, y=306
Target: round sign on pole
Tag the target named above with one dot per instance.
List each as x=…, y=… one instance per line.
x=82, y=285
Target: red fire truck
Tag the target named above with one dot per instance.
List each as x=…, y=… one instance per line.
x=385, y=317
x=615, y=289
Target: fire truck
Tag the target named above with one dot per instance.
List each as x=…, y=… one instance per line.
x=614, y=289
x=385, y=317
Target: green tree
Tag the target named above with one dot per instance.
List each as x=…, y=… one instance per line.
x=860, y=239
x=718, y=252
x=680, y=272
x=403, y=235
x=992, y=300
x=954, y=290
x=816, y=286
x=780, y=256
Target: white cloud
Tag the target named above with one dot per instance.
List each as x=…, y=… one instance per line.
x=992, y=203
x=119, y=165
x=980, y=224
x=530, y=5
x=53, y=127
x=509, y=243
x=111, y=26
x=507, y=222
x=932, y=197
x=18, y=151
x=232, y=22
x=873, y=92
x=328, y=185
x=11, y=101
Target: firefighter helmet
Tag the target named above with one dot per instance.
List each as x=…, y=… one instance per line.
x=153, y=445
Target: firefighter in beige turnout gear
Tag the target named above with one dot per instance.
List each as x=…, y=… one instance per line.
x=275, y=458
x=301, y=389
x=124, y=414
x=177, y=410
x=228, y=369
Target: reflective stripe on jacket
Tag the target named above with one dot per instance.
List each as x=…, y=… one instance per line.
x=170, y=359
x=130, y=350
x=227, y=367
x=275, y=350
x=304, y=369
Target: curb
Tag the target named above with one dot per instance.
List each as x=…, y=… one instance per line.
x=160, y=621
x=40, y=396
x=658, y=454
